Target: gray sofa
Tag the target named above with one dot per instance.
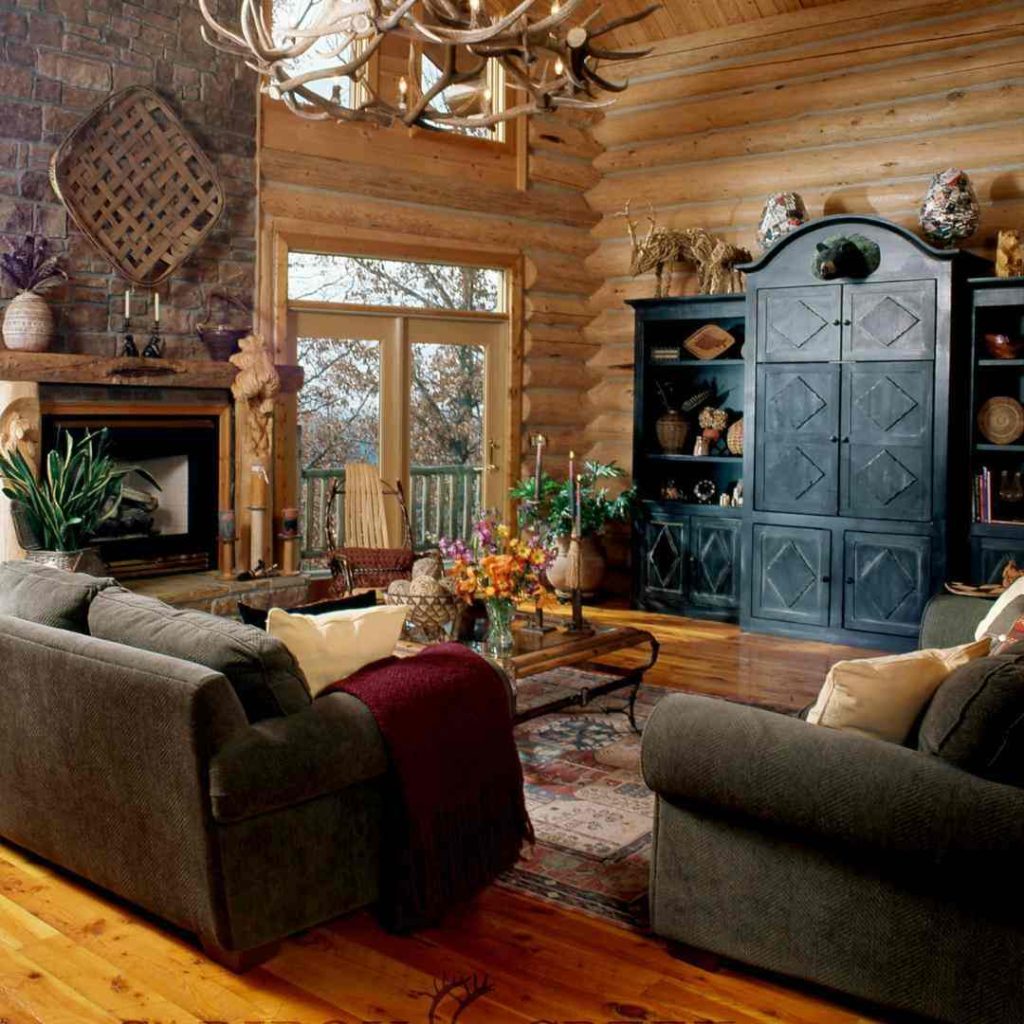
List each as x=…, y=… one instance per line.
x=215, y=794
x=883, y=871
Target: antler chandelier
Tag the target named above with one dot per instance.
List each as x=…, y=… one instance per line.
x=548, y=62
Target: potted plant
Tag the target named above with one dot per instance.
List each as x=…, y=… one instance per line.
x=552, y=516
x=31, y=268
x=59, y=511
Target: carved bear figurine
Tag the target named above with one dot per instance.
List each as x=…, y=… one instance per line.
x=846, y=256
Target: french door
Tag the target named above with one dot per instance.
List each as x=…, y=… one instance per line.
x=424, y=396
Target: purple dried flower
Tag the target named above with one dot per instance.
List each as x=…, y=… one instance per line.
x=30, y=266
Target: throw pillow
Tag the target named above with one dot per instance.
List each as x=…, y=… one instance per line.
x=333, y=646
x=261, y=670
x=53, y=597
x=1002, y=624
x=1013, y=591
x=258, y=616
x=882, y=697
x=1009, y=642
x=976, y=719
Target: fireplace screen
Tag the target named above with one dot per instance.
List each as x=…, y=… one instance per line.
x=171, y=527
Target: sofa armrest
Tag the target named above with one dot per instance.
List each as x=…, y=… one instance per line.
x=826, y=784
x=328, y=746
x=950, y=619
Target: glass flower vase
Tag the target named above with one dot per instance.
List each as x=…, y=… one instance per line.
x=500, y=613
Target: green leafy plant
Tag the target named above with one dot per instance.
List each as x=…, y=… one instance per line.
x=79, y=488
x=553, y=514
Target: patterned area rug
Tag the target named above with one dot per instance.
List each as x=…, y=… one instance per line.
x=591, y=811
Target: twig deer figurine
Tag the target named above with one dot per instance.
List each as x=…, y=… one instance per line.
x=714, y=257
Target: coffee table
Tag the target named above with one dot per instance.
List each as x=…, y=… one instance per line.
x=534, y=653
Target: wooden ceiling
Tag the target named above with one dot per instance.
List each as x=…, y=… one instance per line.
x=681, y=17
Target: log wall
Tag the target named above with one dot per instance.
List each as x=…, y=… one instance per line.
x=854, y=105
x=401, y=187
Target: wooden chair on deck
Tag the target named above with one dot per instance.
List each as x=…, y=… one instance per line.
x=369, y=556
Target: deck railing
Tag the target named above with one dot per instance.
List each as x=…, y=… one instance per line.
x=443, y=502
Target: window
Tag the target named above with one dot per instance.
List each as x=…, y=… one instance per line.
x=360, y=280
x=291, y=14
x=483, y=95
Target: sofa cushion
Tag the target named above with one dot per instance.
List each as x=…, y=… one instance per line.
x=882, y=697
x=976, y=719
x=258, y=616
x=53, y=597
x=262, y=671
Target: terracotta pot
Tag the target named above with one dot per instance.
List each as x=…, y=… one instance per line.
x=28, y=323
x=671, y=430
x=592, y=570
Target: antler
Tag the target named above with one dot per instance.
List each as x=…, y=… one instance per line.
x=552, y=64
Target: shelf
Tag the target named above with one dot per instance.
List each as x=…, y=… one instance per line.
x=664, y=457
x=1012, y=448
x=1000, y=529
x=669, y=506
x=675, y=364
x=1001, y=362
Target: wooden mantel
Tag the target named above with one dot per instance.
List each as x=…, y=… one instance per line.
x=62, y=368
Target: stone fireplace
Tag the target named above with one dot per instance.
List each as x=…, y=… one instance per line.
x=183, y=442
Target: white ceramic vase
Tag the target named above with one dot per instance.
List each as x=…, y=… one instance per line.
x=28, y=323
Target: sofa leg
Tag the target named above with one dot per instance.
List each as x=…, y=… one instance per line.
x=710, y=962
x=238, y=960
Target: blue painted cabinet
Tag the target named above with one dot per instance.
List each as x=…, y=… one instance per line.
x=790, y=574
x=887, y=582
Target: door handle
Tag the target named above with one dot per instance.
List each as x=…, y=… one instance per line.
x=826, y=579
x=837, y=323
x=492, y=445
x=850, y=581
x=847, y=323
x=833, y=438
x=846, y=440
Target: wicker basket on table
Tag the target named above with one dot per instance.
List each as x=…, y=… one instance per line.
x=431, y=602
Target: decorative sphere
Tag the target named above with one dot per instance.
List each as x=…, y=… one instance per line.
x=783, y=211
x=950, y=212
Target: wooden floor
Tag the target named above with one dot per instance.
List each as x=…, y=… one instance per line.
x=69, y=954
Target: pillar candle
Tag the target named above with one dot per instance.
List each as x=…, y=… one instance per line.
x=579, y=506
x=156, y=307
x=536, y=481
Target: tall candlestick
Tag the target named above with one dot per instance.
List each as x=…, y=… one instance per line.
x=539, y=440
x=572, y=468
x=127, y=304
x=579, y=505
x=156, y=307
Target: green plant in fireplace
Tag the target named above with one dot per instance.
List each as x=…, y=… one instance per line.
x=78, y=488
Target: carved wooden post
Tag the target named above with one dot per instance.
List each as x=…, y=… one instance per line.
x=20, y=427
x=254, y=390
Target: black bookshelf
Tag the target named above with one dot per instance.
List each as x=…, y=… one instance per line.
x=997, y=529
x=686, y=551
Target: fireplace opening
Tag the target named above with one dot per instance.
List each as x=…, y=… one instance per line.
x=168, y=528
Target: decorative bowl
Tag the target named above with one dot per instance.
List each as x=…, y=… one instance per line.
x=1001, y=420
x=1002, y=346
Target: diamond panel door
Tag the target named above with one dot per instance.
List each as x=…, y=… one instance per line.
x=886, y=470
x=991, y=555
x=889, y=321
x=790, y=574
x=714, y=562
x=887, y=582
x=665, y=558
x=796, y=460
x=797, y=325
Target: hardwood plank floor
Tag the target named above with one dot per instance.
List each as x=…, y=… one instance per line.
x=70, y=954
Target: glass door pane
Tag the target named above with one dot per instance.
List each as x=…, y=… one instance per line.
x=339, y=410
x=456, y=408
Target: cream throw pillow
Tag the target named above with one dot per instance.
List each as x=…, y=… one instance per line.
x=882, y=697
x=333, y=646
x=1014, y=590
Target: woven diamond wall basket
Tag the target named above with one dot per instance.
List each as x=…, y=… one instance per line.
x=138, y=185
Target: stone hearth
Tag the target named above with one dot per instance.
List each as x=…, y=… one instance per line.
x=207, y=592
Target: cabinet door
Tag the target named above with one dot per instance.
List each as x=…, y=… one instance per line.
x=888, y=582
x=790, y=574
x=796, y=325
x=886, y=469
x=796, y=459
x=889, y=321
x=990, y=556
x=665, y=557
x=714, y=562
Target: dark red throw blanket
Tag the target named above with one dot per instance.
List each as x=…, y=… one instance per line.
x=457, y=817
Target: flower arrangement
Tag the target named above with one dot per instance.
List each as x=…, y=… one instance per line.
x=496, y=565
x=31, y=267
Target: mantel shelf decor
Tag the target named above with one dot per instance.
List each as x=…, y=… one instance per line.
x=138, y=185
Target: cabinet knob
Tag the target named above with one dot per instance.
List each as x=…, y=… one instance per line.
x=847, y=323
x=833, y=438
x=836, y=323
x=850, y=580
x=846, y=440
x=826, y=579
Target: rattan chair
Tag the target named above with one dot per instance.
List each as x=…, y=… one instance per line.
x=368, y=558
